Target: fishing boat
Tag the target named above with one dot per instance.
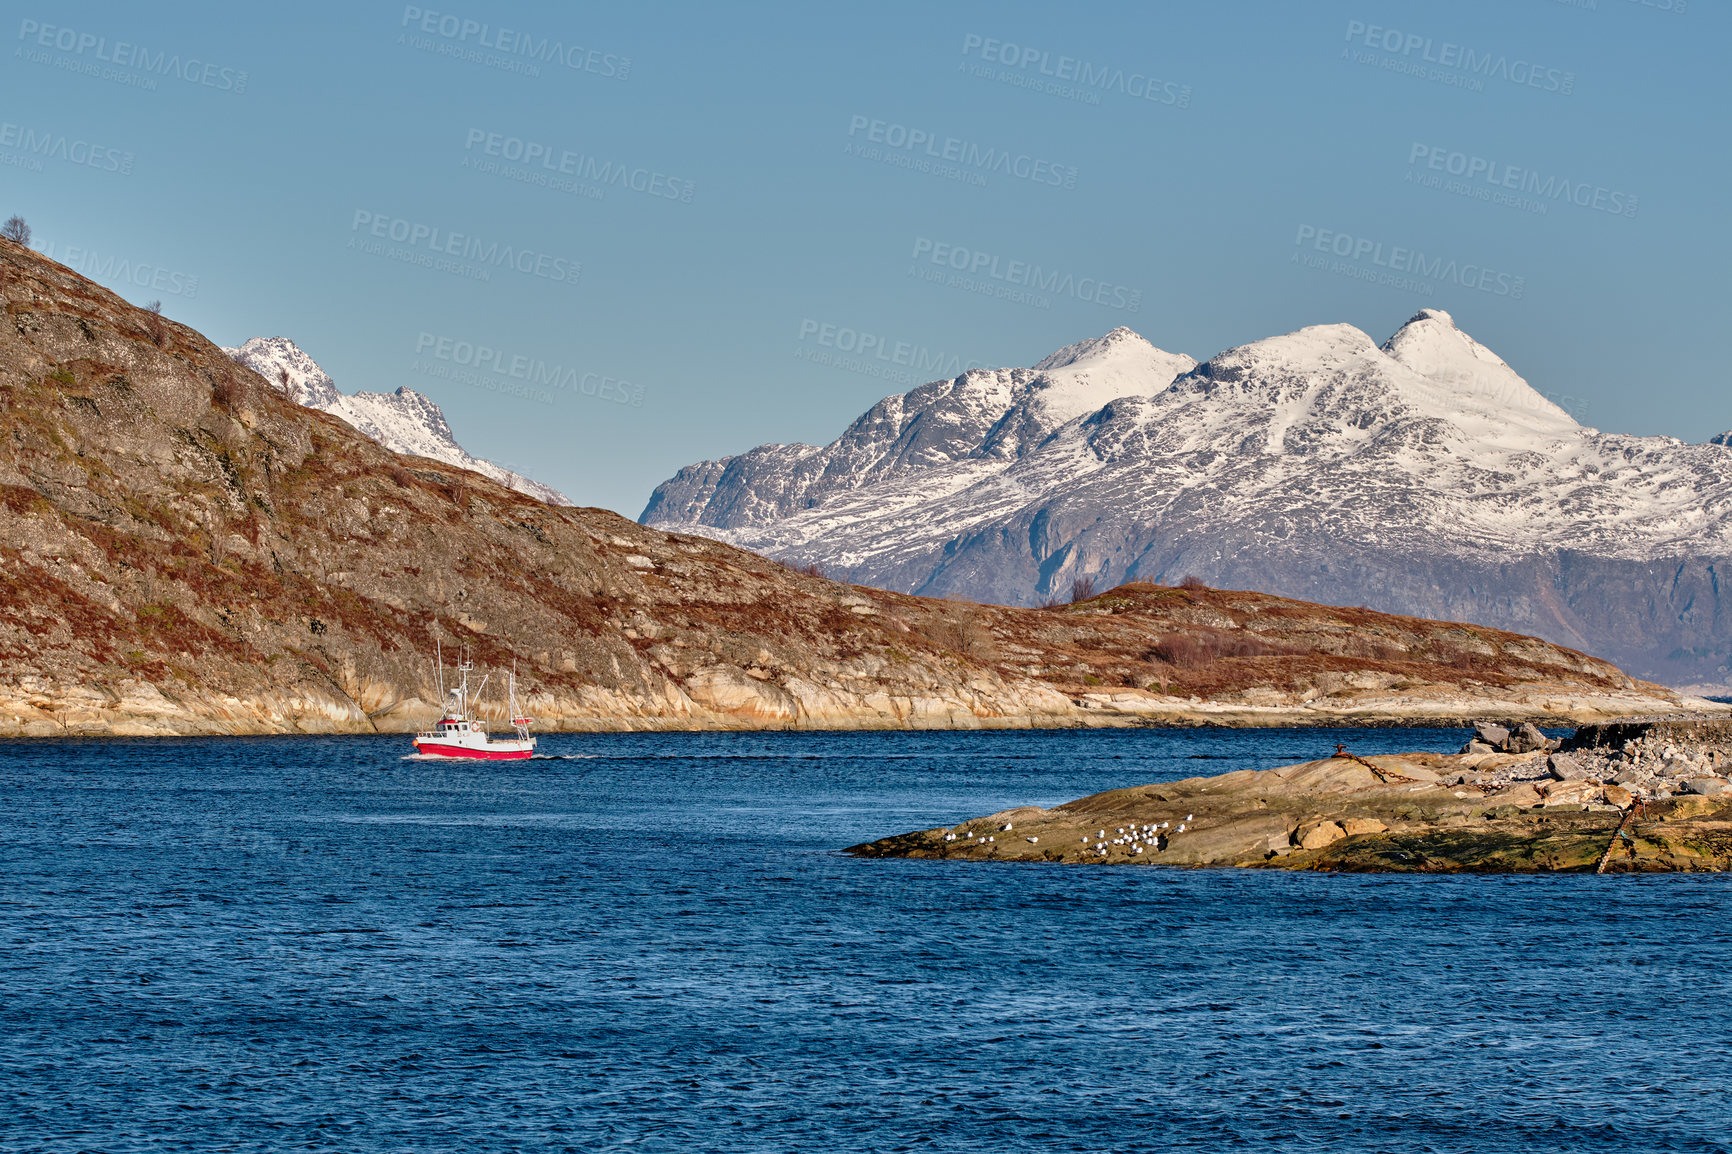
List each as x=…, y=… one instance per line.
x=460, y=734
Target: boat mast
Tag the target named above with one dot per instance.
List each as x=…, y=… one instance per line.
x=462, y=690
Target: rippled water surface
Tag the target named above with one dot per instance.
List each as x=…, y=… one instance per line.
x=311, y=943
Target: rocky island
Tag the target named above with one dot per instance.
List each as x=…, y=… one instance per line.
x=1639, y=795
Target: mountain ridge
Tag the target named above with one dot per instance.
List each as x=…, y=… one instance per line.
x=1423, y=475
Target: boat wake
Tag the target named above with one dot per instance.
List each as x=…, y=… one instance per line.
x=532, y=757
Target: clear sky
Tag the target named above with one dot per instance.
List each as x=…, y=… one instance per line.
x=688, y=219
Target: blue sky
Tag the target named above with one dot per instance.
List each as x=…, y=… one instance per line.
x=677, y=226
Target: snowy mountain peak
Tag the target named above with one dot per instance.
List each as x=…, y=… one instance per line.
x=1121, y=341
x=281, y=362
x=1303, y=352
x=404, y=421
x=1470, y=379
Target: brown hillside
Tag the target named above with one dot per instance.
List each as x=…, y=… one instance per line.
x=182, y=549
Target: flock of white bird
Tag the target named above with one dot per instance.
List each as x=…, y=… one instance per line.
x=1136, y=838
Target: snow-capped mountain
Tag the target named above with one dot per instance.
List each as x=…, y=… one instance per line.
x=404, y=421
x=1422, y=476
x=914, y=447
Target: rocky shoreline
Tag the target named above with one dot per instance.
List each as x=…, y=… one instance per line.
x=734, y=700
x=1635, y=795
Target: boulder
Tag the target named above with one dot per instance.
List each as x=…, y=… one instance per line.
x=1563, y=767
x=1492, y=735
x=1319, y=835
x=1522, y=794
x=1572, y=793
x=1354, y=826
x=1527, y=739
x=1632, y=776
x=1705, y=786
x=1619, y=796
x=1478, y=746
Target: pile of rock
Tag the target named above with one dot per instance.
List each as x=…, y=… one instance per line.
x=1648, y=759
x=1655, y=765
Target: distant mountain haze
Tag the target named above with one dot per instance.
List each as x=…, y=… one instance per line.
x=1422, y=476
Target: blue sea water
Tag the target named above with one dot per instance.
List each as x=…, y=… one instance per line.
x=310, y=943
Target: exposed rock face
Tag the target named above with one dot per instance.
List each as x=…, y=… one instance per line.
x=1424, y=476
x=185, y=549
x=404, y=421
x=1414, y=812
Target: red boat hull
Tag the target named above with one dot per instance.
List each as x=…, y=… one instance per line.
x=437, y=750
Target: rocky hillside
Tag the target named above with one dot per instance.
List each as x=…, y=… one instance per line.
x=185, y=549
x=1422, y=476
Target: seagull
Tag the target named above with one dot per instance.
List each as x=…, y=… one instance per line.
x=1181, y=828
x=1102, y=833
x=1190, y=817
